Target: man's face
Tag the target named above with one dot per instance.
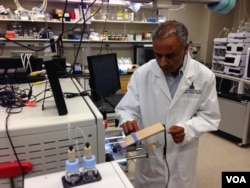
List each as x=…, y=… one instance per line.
x=169, y=54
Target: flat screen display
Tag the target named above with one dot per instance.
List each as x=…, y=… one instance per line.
x=104, y=75
x=142, y=54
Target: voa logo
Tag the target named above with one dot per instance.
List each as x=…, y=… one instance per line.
x=236, y=179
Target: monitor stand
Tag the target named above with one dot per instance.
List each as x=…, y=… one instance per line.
x=50, y=66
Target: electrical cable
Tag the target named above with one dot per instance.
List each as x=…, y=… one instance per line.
x=85, y=93
x=59, y=39
x=8, y=110
x=9, y=97
x=35, y=96
x=165, y=154
x=104, y=28
x=44, y=96
x=14, y=100
x=26, y=47
x=83, y=30
x=72, y=95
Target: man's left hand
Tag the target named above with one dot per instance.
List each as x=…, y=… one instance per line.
x=177, y=133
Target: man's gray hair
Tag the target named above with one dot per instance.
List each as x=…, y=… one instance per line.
x=172, y=27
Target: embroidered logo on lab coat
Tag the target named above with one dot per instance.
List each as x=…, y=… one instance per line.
x=193, y=90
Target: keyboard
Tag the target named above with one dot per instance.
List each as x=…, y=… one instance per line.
x=104, y=105
x=114, y=99
x=109, y=103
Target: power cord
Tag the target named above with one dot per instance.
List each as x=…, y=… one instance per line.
x=8, y=110
x=72, y=95
x=165, y=154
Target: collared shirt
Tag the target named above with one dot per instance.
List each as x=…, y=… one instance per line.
x=172, y=81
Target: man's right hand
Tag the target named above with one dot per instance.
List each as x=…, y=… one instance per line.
x=129, y=127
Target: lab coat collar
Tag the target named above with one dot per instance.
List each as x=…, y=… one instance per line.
x=160, y=80
x=183, y=85
x=185, y=81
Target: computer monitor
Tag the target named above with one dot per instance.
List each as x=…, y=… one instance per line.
x=104, y=75
x=143, y=53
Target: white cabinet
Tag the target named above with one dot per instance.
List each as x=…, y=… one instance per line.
x=235, y=118
x=235, y=114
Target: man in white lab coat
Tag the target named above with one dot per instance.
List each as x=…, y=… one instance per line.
x=179, y=92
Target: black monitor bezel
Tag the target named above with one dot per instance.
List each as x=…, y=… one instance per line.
x=95, y=80
x=142, y=58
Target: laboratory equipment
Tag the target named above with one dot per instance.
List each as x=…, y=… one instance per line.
x=113, y=139
x=72, y=165
x=219, y=52
x=143, y=53
x=41, y=136
x=235, y=58
x=76, y=175
x=111, y=172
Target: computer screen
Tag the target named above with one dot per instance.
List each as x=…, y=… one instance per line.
x=142, y=54
x=104, y=75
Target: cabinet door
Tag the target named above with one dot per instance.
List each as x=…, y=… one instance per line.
x=124, y=79
x=233, y=117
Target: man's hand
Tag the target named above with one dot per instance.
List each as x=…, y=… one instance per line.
x=129, y=127
x=177, y=133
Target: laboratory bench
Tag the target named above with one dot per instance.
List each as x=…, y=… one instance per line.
x=110, y=172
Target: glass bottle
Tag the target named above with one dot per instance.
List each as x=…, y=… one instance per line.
x=126, y=15
x=119, y=14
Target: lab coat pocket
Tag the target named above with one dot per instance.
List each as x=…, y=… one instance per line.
x=188, y=105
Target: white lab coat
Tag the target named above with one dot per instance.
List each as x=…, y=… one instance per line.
x=148, y=100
